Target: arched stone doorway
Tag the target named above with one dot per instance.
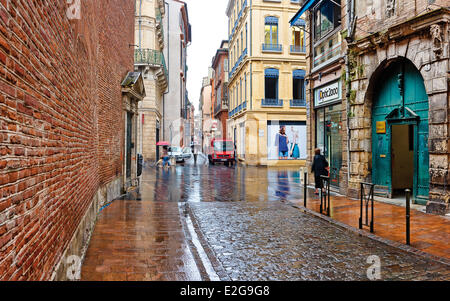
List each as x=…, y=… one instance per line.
x=400, y=155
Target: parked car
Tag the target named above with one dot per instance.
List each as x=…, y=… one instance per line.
x=221, y=151
x=187, y=153
x=176, y=152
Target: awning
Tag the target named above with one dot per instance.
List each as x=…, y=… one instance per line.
x=302, y=10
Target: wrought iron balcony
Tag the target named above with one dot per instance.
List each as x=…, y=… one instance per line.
x=223, y=106
x=298, y=49
x=155, y=59
x=272, y=47
x=298, y=103
x=272, y=102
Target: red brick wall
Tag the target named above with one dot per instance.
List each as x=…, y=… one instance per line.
x=61, y=124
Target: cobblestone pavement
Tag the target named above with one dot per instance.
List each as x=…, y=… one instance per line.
x=274, y=241
x=246, y=231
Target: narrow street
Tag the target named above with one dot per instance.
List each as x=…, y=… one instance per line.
x=233, y=223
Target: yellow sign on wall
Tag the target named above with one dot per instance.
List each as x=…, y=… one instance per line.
x=381, y=127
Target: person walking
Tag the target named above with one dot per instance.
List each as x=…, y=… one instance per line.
x=320, y=167
x=165, y=157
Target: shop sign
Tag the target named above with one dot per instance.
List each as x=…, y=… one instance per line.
x=381, y=127
x=328, y=94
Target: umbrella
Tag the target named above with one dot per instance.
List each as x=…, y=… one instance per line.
x=163, y=143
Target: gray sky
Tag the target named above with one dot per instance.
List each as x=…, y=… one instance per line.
x=209, y=27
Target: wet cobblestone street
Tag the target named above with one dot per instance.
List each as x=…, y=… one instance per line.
x=274, y=241
x=246, y=231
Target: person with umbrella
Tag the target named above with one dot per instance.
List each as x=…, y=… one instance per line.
x=165, y=158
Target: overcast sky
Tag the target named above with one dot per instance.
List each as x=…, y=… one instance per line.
x=209, y=28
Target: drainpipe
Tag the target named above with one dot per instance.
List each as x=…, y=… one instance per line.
x=140, y=24
x=350, y=18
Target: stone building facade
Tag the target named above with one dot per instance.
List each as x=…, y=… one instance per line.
x=176, y=100
x=393, y=80
x=267, y=64
x=219, y=84
x=62, y=127
x=417, y=35
x=150, y=54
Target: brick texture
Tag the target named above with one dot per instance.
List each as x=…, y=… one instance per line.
x=61, y=123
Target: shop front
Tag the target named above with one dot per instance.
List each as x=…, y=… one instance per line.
x=328, y=135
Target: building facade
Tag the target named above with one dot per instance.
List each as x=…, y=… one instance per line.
x=207, y=113
x=176, y=100
x=219, y=84
x=394, y=63
x=326, y=101
x=266, y=91
x=63, y=130
x=150, y=60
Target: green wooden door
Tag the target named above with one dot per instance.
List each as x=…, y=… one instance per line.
x=390, y=107
x=416, y=99
x=387, y=98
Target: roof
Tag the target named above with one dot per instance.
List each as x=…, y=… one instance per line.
x=131, y=79
x=133, y=84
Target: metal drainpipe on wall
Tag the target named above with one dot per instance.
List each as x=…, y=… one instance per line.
x=350, y=9
x=140, y=24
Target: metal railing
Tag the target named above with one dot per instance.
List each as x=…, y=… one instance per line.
x=325, y=195
x=298, y=103
x=272, y=47
x=150, y=57
x=268, y=102
x=305, y=188
x=366, y=200
x=298, y=49
x=221, y=106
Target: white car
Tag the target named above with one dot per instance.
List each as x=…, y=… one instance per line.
x=177, y=153
x=187, y=153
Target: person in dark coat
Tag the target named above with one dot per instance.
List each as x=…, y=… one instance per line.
x=320, y=167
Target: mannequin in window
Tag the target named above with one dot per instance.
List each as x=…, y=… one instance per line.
x=282, y=142
x=294, y=149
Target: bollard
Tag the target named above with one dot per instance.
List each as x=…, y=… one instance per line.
x=408, y=216
x=306, y=187
x=361, y=207
x=329, y=198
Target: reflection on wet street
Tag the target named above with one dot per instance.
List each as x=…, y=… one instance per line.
x=200, y=222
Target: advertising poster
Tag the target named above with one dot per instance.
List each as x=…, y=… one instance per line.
x=291, y=146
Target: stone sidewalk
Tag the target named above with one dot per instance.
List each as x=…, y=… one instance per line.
x=429, y=233
x=140, y=241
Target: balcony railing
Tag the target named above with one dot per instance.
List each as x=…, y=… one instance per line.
x=268, y=102
x=298, y=103
x=238, y=62
x=298, y=49
x=272, y=47
x=150, y=57
x=221, y=106
x=244, y=5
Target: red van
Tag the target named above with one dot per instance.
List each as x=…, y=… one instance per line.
x=221, y=151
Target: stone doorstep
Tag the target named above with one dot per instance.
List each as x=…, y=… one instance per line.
x=400, y=246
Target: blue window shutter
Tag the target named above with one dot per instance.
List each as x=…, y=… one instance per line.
x=299, y=22
x=271, y=21
x=299, y=74
x=274, y=73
